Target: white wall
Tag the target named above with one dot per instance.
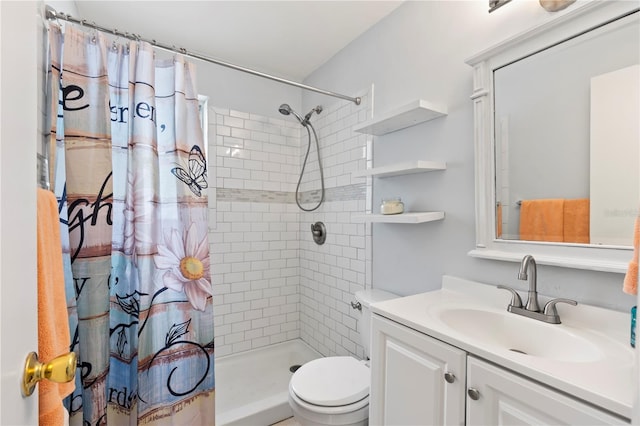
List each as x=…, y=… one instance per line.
x=418, y=52
x=244, y=92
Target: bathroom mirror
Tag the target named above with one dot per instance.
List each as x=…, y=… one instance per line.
x=548, y=116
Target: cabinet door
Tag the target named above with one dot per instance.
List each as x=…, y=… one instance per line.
x=408, y=385
x=505, y=398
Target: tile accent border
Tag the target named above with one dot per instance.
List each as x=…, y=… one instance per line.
x=341, y=193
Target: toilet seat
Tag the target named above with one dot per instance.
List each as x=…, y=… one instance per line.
x=332, y=382
x=346, y=415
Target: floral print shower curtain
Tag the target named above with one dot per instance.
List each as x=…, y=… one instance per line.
x=130, y=175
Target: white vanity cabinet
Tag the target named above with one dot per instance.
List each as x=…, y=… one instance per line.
x=496, y=396
x=419, y=380
x=415, y=379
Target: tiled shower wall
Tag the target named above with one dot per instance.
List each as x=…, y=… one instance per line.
x=254, y=230
x=331, y=273
x=271, y=281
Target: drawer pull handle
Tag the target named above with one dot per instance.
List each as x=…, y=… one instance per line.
x=473, y=393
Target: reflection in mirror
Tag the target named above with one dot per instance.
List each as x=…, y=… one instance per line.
x=567, y=142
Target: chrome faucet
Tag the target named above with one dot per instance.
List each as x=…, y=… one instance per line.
x=529, y=263
x=531, y=309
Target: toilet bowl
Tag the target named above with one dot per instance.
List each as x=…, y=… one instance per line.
x=334, y=391
x=331, y=391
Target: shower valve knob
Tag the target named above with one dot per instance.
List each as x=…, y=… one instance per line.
x=319, y=232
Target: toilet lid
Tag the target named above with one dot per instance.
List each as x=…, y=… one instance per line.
x=332, y=381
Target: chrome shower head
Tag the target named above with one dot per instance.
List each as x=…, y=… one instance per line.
x=285, y=109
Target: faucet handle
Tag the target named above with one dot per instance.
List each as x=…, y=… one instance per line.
x=516, y=301
x=550, y=308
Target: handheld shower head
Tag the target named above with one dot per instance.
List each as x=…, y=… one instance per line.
x=285, y=109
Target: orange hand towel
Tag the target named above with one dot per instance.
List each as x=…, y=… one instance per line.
x=53, y=325
x=630, y=284
x=576, y=220
x=542, y=220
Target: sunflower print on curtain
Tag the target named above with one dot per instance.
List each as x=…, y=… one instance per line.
x=131, y=176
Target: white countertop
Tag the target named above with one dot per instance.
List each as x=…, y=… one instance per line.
x=606, y=382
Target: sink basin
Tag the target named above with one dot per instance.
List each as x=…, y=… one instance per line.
x=521, y=335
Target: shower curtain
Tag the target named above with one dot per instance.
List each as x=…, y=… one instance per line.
x=130, y=175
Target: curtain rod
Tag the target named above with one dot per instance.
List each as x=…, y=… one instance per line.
x=52, y=14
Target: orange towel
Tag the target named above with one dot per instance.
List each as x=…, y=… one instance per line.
x=576, y=220
x=542, y=220
x=630, y=284
x=53, y=325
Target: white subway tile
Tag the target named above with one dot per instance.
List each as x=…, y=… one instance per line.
x=253, y=145
x=260, y=136
x=223, y=130
x=240, y=133
x=233, y=163
x=259, y=304
x=260, y=342
x=232, y=142
x=241, y=346
x=260, y=323
x=240, y=307
x=233, y=121
x=253, y=275
x=253, y=125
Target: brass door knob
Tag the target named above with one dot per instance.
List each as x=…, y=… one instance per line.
x=61, y=369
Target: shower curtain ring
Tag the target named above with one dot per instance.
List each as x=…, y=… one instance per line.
x=114, y=44
x=94, y=32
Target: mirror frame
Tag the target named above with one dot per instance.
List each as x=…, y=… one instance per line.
x=571, y=22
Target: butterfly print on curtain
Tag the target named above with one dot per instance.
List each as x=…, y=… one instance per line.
x=196, y=175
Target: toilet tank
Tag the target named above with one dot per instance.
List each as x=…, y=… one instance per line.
x=366, y=298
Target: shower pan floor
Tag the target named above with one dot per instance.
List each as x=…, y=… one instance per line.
x=252, y=387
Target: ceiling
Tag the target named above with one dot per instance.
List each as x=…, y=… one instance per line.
x=289, y=39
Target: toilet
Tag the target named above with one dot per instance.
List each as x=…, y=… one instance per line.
x=335, y=390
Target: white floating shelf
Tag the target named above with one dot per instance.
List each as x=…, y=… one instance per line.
x=401, y=169
x=413, y=113
x=418, y=217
